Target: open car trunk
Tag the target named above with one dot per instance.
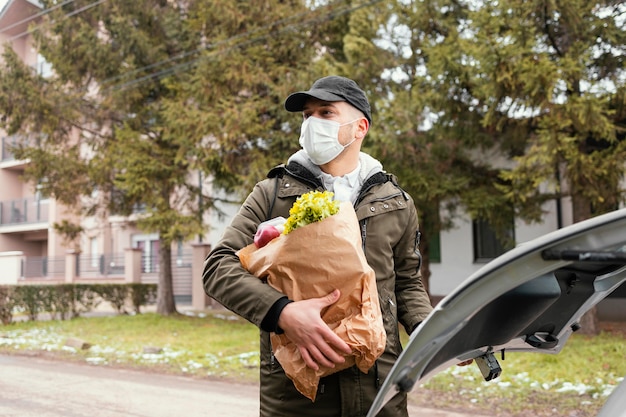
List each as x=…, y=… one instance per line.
x=529, y=299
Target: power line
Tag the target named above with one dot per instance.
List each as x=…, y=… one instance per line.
x=176, y=68
x=195, y=51
x=73, y=13
x=41, y=13
x=179, y=67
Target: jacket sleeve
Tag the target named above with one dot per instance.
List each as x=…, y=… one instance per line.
x=413, y=301
x=228, y=282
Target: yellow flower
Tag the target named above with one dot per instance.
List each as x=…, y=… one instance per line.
x=311, y=207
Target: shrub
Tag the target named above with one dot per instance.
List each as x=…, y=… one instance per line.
x=142, y=294
x=30, y=298
x=115, y=294
x=7, y=303
x=64, y=301
x=85, y=300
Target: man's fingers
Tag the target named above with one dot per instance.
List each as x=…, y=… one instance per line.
x=336, y=342
x=333, y=350
x=329, y=336
x=317, y=343
x=320, y=358
x=320, y=355
x=331, y=298
x=330, y=342
x=307, y=358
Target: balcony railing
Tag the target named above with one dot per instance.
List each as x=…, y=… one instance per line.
x=23, y=211
x=42, y=266
x=93, y=266
x=6, y=154
x=8, y=142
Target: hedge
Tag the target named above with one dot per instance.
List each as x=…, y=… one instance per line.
x=64, y=301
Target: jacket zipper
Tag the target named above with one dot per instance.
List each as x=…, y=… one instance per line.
x=391, y=306
x=376, y=376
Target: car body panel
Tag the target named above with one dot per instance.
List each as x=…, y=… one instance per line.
x=529, y=299
x=615, y=406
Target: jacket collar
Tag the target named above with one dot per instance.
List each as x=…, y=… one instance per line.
x=300, y=166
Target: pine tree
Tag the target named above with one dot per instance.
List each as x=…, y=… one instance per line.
x=462, y=87
x=146, y=94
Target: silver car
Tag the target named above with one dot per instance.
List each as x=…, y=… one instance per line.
x=530, y=299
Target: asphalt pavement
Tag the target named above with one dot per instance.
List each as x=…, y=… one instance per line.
x=32, y=386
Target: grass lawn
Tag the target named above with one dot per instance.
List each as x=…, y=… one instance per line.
x=217, y=344
x=574, y=383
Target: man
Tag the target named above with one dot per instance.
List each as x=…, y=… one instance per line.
x=337, y=117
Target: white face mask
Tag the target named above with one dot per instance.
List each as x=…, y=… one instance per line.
x=320, y=139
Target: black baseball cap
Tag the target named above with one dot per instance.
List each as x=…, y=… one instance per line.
x=332, y=88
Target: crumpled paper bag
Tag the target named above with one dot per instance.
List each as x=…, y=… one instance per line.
x=310, y=262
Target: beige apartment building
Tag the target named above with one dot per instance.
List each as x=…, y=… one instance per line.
x=25, y=217
x=30, y=249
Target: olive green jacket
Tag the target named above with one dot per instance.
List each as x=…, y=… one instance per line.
x=389, y=229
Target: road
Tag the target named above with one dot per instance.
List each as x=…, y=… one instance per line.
x=34, y=387
x=37, y=387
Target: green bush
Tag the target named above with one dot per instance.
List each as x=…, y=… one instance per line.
x=57, y=300
x=65, y=301
x=142, y=294
x=114, y=294
x=7, y=303
x=31, y=298
x=85, y=300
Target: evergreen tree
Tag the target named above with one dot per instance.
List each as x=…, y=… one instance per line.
x=557, y=68
x=432, y=157
x=144, y=95
x=463, y=87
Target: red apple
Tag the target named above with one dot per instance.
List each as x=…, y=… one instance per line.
x=264, y=235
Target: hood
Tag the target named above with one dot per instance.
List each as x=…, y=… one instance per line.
x=369, y=165
x=530, y=299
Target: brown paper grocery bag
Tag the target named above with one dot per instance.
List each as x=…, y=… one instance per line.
x=310, y=262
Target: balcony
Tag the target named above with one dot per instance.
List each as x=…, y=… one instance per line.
x=23, y=211
x=5, y=152
x=7, y=158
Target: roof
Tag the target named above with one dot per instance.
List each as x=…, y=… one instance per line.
x=14, y=15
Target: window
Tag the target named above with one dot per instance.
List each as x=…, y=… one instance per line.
x=44, y=68
x=149, y=245
x=487, y=245
x=179, y=253
x=93, y=252
x=39, y=195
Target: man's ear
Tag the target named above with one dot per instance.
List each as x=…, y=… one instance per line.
x=362, y=128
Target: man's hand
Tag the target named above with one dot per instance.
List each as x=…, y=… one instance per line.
x=303, y=325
